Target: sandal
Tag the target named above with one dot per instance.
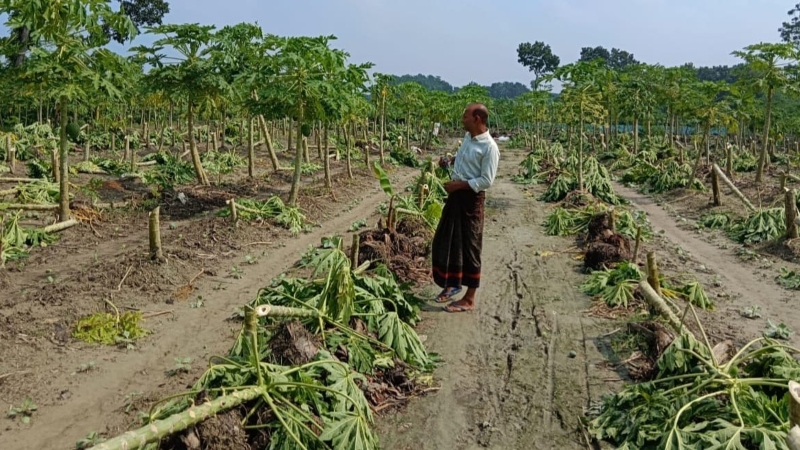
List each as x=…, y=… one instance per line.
x=447, y=294
x=452, y=307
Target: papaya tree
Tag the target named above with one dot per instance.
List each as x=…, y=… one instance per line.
x=436, y=106
x=190, y=76
x=68, y=60
x=637, y=95
x=765, y=72
x=300, y=75
x=238, y=52
x=583, y=100
x=409, y=97
x=531, y=108
x=381, y=92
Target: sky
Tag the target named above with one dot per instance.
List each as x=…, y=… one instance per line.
x=465, y=40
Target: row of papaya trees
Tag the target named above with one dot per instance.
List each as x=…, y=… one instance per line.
x=238, y=78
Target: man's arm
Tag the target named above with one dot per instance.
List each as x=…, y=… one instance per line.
x=489, y=164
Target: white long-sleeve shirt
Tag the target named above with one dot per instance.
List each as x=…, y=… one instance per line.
x=476, y=161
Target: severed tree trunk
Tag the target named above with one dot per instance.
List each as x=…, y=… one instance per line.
x=11, y=155
x=178, y=422
x=652, y=273
x=730, y=184
x=154, y=233
x=715, y=188
x=657, y=303
x=60, y=226
x=348, y=144
x=790, y=206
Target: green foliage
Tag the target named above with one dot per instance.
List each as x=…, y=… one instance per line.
x=110, y=329
x=714, y=220
x=322, y=402
x=73, y=131
x=430, y=82
x=17, y=240
x=529, y=169
x=559, y=188
x=222, y=162
x=697, y=402
x=614, y=286
x=168, y=172
x=538, y=58
x=744, y=161
x=561, y=222
x=761, y=226
x=273, y=208
x=694, y=293
x=657, y=179
x=142, y=12
x=404, y=157
x=789, y=279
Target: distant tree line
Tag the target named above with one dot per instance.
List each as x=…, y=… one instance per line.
x=499, y=90
x=543, y=61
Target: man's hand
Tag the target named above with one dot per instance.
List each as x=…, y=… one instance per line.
x=453, y=186
x=445, y=161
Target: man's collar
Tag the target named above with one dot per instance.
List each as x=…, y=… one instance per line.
x=481, y=137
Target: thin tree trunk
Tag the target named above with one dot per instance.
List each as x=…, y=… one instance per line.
x=198, y=165
x=348, y=144
x=268, y=141
x=383, y=129
x=298, y=160
x=580, y=151
x=63, y=162
x=762, y=160
x=326, y=158
x=251, y=150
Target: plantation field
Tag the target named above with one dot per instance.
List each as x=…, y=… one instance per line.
x=222, y=240
x=212, y=269
x=527, y=366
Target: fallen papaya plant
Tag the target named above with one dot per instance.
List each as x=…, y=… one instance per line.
x=704, y=398
x=345, y=331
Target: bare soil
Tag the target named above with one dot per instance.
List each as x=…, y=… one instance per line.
x=521, y=369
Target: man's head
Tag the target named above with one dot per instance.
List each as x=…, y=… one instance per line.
x=475, y=118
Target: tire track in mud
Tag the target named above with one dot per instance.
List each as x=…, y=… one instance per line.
x=509, y=380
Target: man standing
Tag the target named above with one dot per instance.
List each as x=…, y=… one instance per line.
x=456, y=247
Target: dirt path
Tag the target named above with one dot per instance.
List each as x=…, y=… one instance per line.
x=745, y=285
x=95, y=400
x=518, y=370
